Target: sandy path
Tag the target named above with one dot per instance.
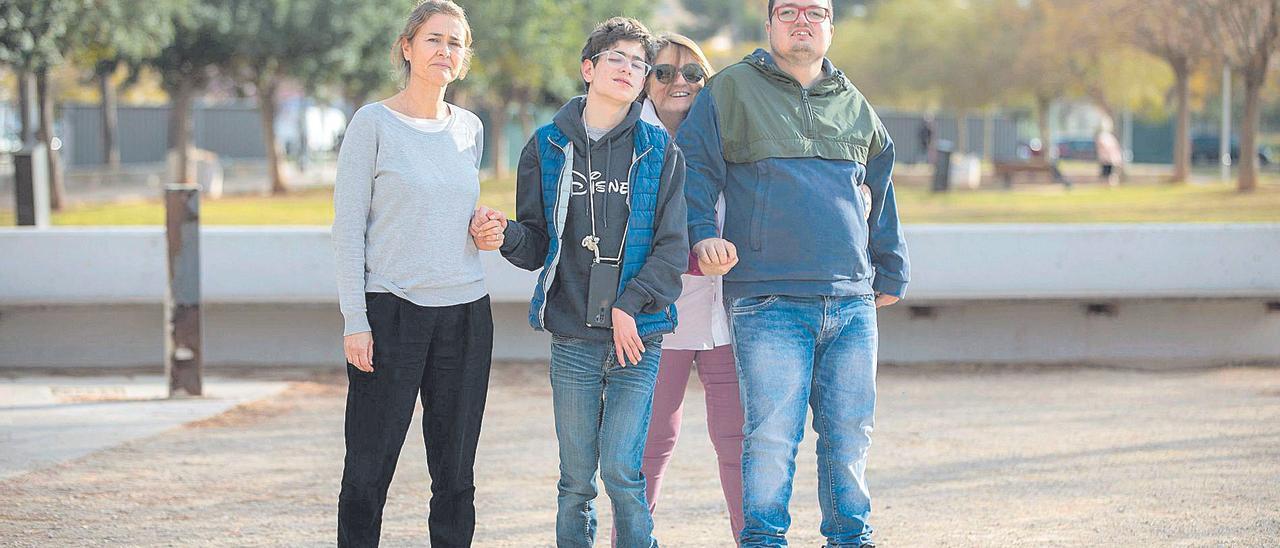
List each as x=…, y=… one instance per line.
x=961, y=458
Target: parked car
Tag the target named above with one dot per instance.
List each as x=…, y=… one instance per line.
x=9, y=143
x=1076, y=148
x=1205, y=150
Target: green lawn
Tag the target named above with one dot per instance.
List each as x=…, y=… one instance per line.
x=1025, y=204
x=1151, y=203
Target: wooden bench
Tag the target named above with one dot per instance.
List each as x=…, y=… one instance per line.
x=1006, y=170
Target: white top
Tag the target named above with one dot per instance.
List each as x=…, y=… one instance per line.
x=424, y=124
x=703, y=322
x=1108, y=149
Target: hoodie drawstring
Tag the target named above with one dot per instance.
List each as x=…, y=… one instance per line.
x=608, y=158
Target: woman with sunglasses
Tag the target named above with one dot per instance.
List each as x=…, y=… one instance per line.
x=679, y=72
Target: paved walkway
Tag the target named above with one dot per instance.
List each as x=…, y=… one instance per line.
x=48, y=420
x=962, y=457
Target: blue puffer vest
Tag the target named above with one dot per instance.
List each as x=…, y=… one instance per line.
x=556, y=156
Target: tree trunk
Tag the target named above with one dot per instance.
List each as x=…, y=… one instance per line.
x=57, y=191
x=526, y=118
x=180, y=131
x=1182, y=133
x=109, y=103
x=1100, y=100
x=26, y=97
x=498, y=119
x=267, y=111
x=1042, y=120
x=458, y=97
x=1248, y=174
x=354, y=101
x=988, y=135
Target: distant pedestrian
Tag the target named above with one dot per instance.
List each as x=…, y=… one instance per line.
x=1110, y=154
x=926, y=135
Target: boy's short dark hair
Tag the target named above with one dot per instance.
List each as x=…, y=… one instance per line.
x=619, y=29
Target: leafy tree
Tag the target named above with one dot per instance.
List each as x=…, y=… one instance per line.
x=275, y=40
x=527, y=54
x=364, y=69
x=33, y=39
x=202, y=40
x=121, y=33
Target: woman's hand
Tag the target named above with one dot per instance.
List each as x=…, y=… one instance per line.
x=487, y=226
x=359, y=350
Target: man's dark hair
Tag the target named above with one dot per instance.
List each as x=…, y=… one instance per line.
x=619, y=29
x=768, y=15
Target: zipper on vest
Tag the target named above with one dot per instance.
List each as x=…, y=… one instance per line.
x=548, y=275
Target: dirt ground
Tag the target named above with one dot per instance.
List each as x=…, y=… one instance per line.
x=962, y=457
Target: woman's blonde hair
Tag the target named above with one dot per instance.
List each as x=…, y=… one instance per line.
x=417, y=17
x=671, y=38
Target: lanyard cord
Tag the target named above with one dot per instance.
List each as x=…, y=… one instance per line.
x=591, y=199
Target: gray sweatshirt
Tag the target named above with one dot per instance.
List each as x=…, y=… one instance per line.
x=402, y=203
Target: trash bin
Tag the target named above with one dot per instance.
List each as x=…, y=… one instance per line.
x=942, y=167
x=31, y=185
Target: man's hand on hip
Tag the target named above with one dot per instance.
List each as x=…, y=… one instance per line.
x=885, y=299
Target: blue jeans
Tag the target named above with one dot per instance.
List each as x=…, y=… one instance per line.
x=602, y=417
x=798, y=351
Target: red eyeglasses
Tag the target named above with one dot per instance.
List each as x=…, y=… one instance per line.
x=788, y=13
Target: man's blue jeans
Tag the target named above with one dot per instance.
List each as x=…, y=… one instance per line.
x=794, y=352
x=602, y=418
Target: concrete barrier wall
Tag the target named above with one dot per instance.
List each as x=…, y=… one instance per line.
x=1144, y=295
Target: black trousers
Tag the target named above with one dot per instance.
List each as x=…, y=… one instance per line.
x=442, y=355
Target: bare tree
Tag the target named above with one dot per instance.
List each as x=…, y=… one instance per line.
x=1248, y=32
x=1045, y=67
x=1169, y=30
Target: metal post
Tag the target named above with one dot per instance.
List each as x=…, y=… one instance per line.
x=183, y=357
x=1224, y=143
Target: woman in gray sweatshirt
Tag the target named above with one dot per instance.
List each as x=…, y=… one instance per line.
x=410, y=284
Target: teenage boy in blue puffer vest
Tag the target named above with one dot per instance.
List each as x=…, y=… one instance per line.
x=600, y=203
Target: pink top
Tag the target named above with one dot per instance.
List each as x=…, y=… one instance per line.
x=1108, y=147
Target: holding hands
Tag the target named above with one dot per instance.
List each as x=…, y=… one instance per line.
x=487, y=226
x=716, y=256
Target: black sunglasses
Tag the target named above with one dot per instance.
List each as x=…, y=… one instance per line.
x=692, y=73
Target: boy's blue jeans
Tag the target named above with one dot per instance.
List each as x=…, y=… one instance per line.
x=602, y=418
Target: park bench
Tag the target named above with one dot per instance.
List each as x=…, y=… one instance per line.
x=1005, y=171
